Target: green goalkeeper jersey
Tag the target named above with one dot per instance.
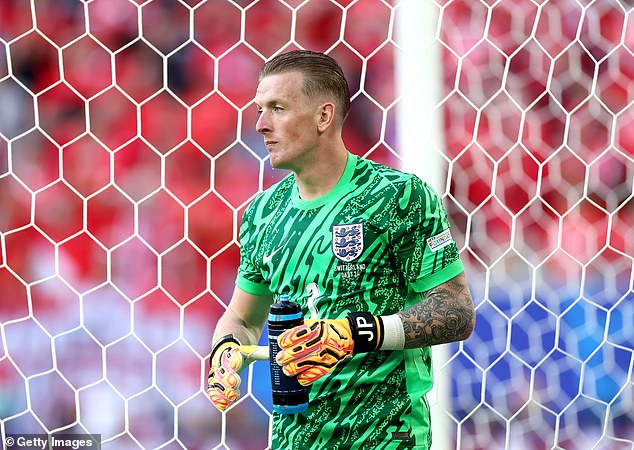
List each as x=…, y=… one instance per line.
x=378, y=238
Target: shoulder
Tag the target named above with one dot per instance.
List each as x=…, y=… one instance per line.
x=390, y=179
x=402, y=195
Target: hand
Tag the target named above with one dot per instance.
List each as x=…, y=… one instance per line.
x=227, y=360
x=313, y=349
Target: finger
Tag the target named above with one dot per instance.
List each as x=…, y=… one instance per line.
x=296, y=354
x=300, y=363
x=297, y=366
x=225, y=379
x=299, y=342
x=308, y=373
x=220, y=391
x=222, y=397
x=231, y=360
x=228, y=378
x=299, y=334
x=218, y=398
x=313, y=374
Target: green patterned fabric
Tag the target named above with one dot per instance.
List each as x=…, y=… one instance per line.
x=368, y=245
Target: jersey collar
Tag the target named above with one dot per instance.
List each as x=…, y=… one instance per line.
x=336, y=192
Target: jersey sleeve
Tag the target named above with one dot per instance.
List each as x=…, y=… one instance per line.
x=421, y=238
x=249, y=277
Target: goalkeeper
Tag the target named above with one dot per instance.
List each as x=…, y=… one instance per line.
x=367, y=253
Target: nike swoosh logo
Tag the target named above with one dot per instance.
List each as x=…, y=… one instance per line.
x=267, y=258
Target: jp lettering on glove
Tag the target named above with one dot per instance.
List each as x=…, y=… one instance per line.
x=312, y=350
x=227, y=360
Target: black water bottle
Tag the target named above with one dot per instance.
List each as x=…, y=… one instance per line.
x=289, y=397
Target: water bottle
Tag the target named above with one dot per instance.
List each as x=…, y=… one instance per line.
x=289, y=397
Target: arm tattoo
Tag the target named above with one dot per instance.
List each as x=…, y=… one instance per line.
x=444, y=314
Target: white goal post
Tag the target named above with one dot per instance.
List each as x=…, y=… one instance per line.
x=420, y=139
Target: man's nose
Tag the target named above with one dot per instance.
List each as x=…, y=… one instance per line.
x=262, y=125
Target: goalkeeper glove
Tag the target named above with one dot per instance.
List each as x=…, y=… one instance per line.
x=312, y=350
x=227, y=360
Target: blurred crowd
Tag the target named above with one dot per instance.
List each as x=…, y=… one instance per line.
x=128, y=153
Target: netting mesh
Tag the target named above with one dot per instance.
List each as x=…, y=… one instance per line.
x=128, y=153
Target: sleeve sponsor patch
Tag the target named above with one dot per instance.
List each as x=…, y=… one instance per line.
x=440, y=240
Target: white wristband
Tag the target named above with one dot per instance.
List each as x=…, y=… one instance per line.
x=394, y=334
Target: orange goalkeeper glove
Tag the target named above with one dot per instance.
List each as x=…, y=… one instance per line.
x=312, y=350
x=227, y=360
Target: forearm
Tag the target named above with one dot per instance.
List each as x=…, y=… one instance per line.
x=244, y=318
x=231, y=323
x=444, y=314
x=312, y=350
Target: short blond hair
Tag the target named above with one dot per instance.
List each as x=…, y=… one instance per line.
x=322, y=75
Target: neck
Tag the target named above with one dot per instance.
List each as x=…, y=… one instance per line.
x=318, y=178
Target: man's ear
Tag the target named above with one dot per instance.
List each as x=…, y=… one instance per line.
x=326, y=116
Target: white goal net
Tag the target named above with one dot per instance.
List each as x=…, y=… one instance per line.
x=128, y=153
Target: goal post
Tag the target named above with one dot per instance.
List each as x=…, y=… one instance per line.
x=420, y=140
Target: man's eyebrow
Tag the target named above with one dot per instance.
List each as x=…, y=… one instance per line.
x=273, y=101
